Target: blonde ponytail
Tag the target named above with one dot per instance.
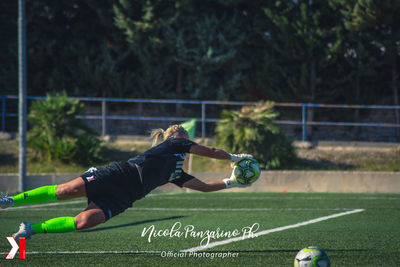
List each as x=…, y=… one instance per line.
x=155, y=134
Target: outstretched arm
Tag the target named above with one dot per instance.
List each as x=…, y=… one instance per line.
x=198, y=185
x=216, y=153
x=210, y=152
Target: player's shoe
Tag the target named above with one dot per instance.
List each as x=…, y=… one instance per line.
x=25, y=230
x=6, y=202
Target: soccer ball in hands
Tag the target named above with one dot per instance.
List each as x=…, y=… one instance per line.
x=311, y=257
x=246, y=171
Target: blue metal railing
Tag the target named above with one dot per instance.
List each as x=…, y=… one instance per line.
x=203, y=119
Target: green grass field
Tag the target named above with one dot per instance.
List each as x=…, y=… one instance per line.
x=366, y=231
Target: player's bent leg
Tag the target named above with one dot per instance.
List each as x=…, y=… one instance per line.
x=92, y=216
x=72, y=189
x=55, y=225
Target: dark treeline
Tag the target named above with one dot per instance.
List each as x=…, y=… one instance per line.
x=337, y=51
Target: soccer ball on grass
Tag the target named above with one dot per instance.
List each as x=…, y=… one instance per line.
x=246, y=171
x=311, y=257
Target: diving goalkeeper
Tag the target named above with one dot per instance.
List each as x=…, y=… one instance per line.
x=112, y=189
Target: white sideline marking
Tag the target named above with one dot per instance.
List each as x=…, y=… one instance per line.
x=210, y=209
x=164, y=194
x=236, y=209
x=73, y=202
x=91, y=252
x=277, y=197
x=45, y=205
x=278, y=229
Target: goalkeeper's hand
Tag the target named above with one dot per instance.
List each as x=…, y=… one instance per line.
x=232, y=182
x=239, y=157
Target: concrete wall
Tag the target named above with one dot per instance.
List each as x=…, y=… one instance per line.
x=270, y=181
x=320, y=181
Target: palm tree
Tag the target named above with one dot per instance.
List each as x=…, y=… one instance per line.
x=251, y=130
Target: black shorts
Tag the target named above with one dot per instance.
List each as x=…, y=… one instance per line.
x=113, y=188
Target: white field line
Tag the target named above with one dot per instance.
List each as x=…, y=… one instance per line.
x=91, y=252
x=281, y=197
x=164, y=194
x=278, y=229
x=45, y=205
x=210, y=245
x=232, y=209
x=210, y=209
x=72, y=202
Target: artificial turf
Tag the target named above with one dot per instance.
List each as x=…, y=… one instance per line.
x=367, y=238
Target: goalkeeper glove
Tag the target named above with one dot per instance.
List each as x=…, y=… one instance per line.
x=239, y=157
x=232, y=182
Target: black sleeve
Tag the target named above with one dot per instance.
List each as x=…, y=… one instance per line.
x=184, y=178
x=181, y=145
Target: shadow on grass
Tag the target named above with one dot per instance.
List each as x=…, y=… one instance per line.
x=131, y=224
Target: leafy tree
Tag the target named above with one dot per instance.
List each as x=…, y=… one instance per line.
x=252, y=131
x=188, y=49
x=380, y=19
x=8, y=46
x=74, y=46
x=57, y=133
x=303, y=42
x=288, y=51
x=359, y=66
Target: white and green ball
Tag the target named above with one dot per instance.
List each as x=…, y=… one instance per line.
x=312, y=257
x=246, y=171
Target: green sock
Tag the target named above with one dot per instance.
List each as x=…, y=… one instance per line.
x=38, y=195
x=56, y=225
